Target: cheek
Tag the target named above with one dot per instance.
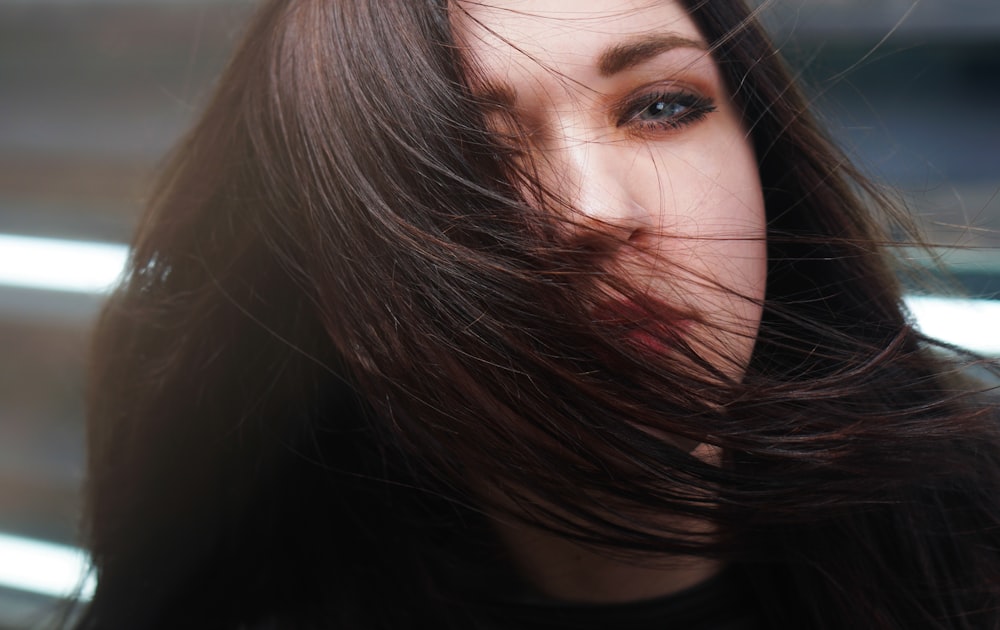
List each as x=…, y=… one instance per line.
x=713, y=230
x=741, y=203
x=734, y=225
x=709, y=204
x=730, y=222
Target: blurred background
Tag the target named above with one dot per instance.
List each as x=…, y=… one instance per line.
x=94, y=92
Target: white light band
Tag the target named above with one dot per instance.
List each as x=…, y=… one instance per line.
x=44, y=568
x=972, y=324
x=60, y=265
x=94, y=268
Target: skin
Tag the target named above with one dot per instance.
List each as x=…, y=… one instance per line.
x=649, y=147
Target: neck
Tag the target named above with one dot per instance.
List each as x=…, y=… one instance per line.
x=564, y=570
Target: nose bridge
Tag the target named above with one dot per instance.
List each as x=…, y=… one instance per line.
x=592, y=175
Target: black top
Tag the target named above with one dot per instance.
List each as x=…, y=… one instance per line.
x=720, y=603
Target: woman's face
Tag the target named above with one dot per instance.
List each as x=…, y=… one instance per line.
x=628, y=120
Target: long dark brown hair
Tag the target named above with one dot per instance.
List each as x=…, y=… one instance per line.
x=342, y=321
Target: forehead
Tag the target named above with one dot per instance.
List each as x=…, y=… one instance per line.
x=515, y=36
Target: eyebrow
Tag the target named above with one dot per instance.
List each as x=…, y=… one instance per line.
x=629, y=54
x=612, y=60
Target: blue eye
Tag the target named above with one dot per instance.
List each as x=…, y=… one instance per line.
x=670, y=110
x=663, y=109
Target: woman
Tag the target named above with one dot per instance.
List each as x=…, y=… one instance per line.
x=523, y=314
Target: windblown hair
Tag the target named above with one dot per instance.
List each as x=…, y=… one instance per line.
x=346, y=341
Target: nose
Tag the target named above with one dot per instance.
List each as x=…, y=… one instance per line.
x=597, y=180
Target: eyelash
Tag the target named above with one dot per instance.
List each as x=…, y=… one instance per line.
x=696, y=107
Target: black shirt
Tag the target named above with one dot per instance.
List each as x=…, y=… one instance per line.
x=720, y=603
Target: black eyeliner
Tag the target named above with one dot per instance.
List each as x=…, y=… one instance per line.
x=698, y=107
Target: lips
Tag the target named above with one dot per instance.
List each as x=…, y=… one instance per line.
x=659, y=330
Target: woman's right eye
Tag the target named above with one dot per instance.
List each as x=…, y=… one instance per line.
x=665, y=110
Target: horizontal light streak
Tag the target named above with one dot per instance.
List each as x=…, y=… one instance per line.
x=972, y=324
x=94, y=268
x=44, y=568
x=60, y=265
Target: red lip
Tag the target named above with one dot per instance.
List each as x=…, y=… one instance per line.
x=657, y=329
